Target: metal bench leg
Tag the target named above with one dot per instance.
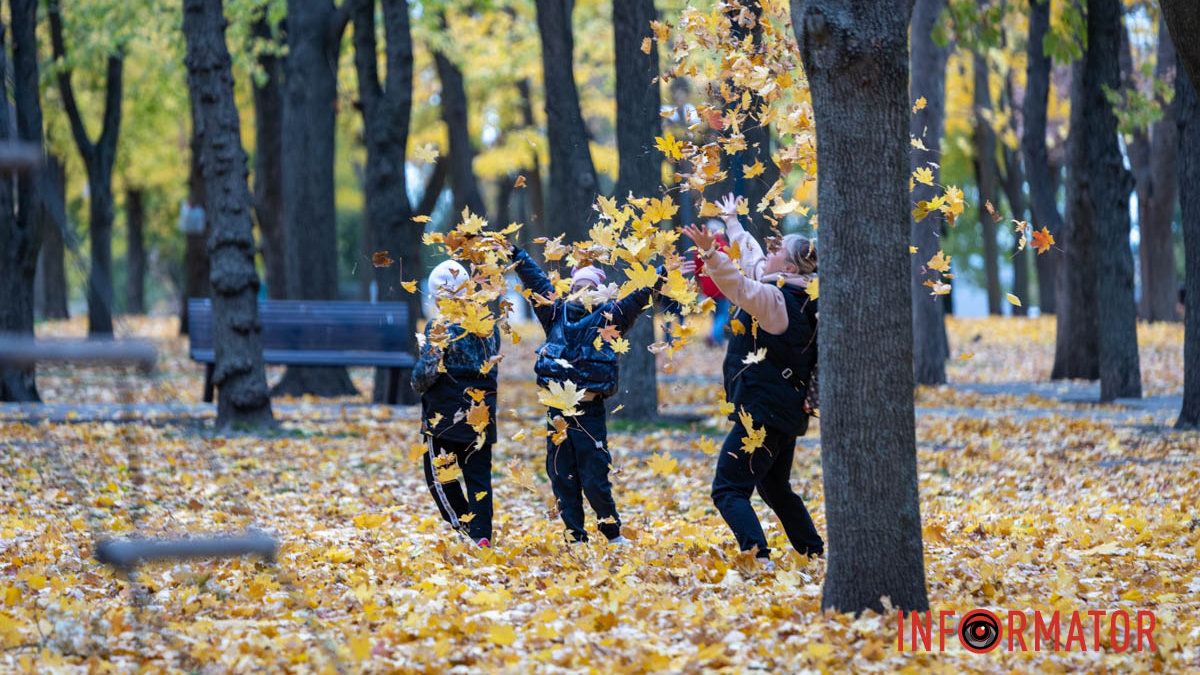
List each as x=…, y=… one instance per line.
x=392, y=394
x=208, y=382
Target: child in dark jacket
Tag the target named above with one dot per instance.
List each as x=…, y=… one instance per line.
x=575, y=351
x=452, y=382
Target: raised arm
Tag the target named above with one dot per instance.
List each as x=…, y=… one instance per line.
x=536, y=281
x=764, y=302
x=751, y=257
x=425, y=371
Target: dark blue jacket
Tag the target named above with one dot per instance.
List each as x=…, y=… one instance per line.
x=571, y=332
x=446, y=393
x=772, y=391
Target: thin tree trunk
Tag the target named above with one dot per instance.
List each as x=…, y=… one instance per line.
x=386, y=111
x=98, y=157
x=1189, y=206
x=534, y=184
x=1013, y=182
x=927, y=60
x=135, y=252
x=1152, y=155
x=268, y=159
x=18, y=248
x=868, y=444
x=985, y=179
x=640, y=173
x=54, y=249
x=1109, y=186
x=195, y=255
x=573, y=182
x=1183, y=19
x=1076, y=343
x=314, y=33
x=240, y=376
x=1042, y=187
x=462, y=153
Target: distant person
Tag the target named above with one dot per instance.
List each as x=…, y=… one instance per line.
x=574, y=352
x=767, y=372
x=445, y=380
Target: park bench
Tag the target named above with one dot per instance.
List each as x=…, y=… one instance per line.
x=318, y=333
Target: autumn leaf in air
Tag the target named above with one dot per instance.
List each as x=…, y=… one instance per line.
x=670, y=147
x=562, y=396
x=923, y=175
x=382, y=259
x=520, y=182
x=1042, y=240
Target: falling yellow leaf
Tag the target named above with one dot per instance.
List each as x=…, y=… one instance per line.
x=919, y=104
x=755, y=170
x=382, y=259
x=562, y=396
x=409, y=286
x=923, y=175
x=520, y=182
x=1013, y=300
x=813, y=289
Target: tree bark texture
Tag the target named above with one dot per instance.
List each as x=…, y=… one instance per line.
x=386, y=110
x=135, y=252
x=1076, y=341
x=927, y=60
x=1043, y=201
x=535, y=186
x=268, y=160
x=986, y=179
x=1109, y=186
x=573, y=182
x=1183, y=20
x=239, y=375
x=1189, y=206
x=314, y=33
x=856, y=58
x=1013, y=181
x=640, y=173
x=98, y=156
x=462, y=154
x=54, y=242
x=1153, y=156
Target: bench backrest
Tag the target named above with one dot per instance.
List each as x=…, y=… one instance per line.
x=371, y=331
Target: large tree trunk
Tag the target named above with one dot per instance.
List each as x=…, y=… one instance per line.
x=1183, y=19
x=639, y=173
x=54, y=242
x=1042, y=188
x=1189, y=206
x=98, y=157
x=1152, y=154
x=856, y=58
x=927, y=61
x=386, y=110
x=314, y=32
x=1109, y=185
x=986, y=179
x=268, y=160
x=573, y=183
x=240, y=376
x=462, y=153
x=135, y=252
x=20, y=227
x=1076, y=342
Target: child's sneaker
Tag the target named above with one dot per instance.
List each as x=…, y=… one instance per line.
x=620, y=540
x=766, y=564
x=484, y=543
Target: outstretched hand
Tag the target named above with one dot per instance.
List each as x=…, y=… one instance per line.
x=687, y=268
x=700, y=236
x=728, y=205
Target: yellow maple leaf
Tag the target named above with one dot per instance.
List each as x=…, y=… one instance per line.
x=813, y=289
x=755, y=169
x=620, y=346
x=662, y=464
x=1042, y=240
x=502, y=634
x=409, y=286
x=478, y=417
x=368, y=521
x=919, y=104
x=480, y=495
x=562, y=396
x=670, y=147
x=560, y=430
x=338, y=555
x=640, y=276
x=754, y=437
x=923, y=175
x=940, y=262
x=736, y=326
x=416, y=451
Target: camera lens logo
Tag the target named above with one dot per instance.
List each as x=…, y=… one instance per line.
x=979, y=631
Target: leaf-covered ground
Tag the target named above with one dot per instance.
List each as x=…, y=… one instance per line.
x=1029, y=501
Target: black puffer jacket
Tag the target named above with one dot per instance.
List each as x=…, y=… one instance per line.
x=571, y=332
x=772, y=390
x=446, y=393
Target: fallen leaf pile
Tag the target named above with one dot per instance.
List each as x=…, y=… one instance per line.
x=1027, y=503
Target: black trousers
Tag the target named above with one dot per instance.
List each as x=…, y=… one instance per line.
x=767, y=469
x=476, y=465
x=578, y=467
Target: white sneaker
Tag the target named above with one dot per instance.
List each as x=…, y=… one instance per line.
x=620, y=540
x=766, y=564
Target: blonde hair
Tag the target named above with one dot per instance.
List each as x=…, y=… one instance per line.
x=801, y=252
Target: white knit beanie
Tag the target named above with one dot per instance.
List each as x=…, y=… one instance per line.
x=448, y=279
